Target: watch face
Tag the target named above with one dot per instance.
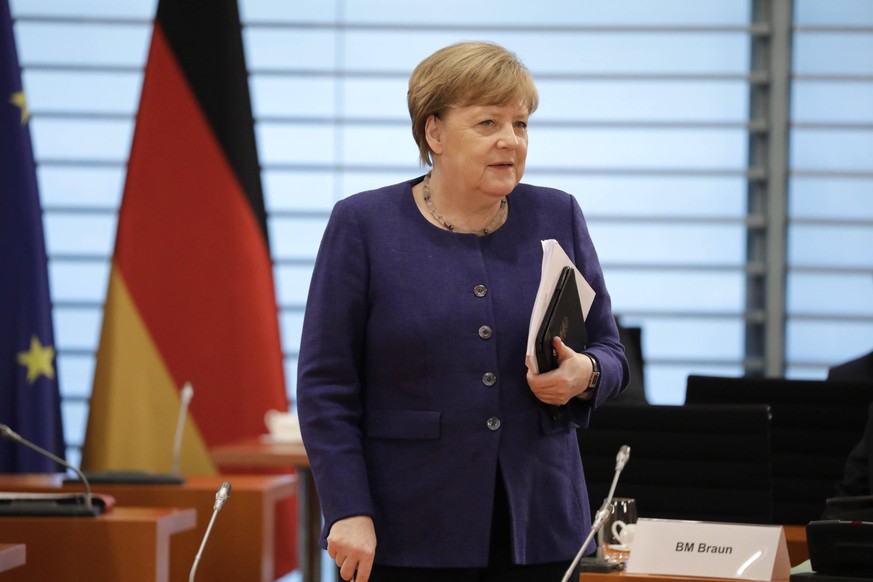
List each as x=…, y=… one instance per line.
x=595, y=371
x=595, y=378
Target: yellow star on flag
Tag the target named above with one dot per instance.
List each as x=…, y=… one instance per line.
x=38, y=360
x=19, y=100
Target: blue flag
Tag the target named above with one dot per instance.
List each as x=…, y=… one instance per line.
x=29, y=396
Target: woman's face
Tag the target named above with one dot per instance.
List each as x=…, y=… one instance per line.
x=480, y=148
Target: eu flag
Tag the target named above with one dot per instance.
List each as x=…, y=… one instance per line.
x=29, y=396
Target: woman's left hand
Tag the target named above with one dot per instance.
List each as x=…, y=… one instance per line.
x=568, y=380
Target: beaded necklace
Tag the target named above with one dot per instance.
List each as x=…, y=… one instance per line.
x=441, y=219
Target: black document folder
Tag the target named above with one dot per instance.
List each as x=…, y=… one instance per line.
x=14, y=504
x=841, y=548
x=131, y=477
x=563, y=318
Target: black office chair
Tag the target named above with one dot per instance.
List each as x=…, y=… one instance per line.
x=632, y=340
x=815, y=424
x=709, y=463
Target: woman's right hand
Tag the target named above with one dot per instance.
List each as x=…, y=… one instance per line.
x=352, y=545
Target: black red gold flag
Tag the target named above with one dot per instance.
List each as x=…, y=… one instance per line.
x=191, y=295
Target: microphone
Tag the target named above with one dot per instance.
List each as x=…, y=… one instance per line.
x=620, y=461
x=14, y=436
x=187, y=395
x=139, y=477
x=603, y=513
x=220, y=497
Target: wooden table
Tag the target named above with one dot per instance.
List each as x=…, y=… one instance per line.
x=795, y=539
x=260, y=452
x=241, y=546
x=127, y=544
x=12, y=556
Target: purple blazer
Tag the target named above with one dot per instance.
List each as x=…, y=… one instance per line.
x=408, y=406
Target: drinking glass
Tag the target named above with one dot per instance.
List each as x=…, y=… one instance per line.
x=623, y=509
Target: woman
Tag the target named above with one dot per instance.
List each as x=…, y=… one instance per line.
x=437, y=454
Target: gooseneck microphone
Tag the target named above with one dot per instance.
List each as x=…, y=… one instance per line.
x=14, y=436
x=603, y=513
x=620, y=461
x=220, y=497
x=140, y=477
x=186, y=396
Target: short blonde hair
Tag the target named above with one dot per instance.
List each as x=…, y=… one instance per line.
x=464, y=74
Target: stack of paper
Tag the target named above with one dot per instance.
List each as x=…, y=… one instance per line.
x=554, y=260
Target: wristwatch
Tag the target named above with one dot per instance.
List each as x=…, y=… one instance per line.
x=595, y=374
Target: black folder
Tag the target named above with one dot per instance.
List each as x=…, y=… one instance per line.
x=14, y=504
x=563, y=318
x=131, y=477
x=841, y=548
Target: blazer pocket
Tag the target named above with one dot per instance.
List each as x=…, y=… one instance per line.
x=403, y=424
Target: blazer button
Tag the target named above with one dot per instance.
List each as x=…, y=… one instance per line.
x=489, y=379
x=493, y=423
x=480, y=290
x=485, y=332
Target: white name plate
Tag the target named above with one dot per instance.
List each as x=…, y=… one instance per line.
x=711, y=550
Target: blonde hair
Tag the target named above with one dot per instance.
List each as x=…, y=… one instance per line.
x=464, y=74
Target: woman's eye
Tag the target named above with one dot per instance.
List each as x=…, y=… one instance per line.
x=521, y=125
x=488, y=122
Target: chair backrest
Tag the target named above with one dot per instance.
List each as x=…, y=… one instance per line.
x=815, y=424
x=709, y=463
x=632, y=340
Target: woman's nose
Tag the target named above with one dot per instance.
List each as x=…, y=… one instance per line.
x=507, y=137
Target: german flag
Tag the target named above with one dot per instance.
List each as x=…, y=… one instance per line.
x=191, y=295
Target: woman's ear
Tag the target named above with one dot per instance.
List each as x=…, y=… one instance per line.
x=432, y=132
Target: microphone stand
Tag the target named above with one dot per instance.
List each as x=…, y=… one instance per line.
x=599, y=520
x=12, y=435
x=136, y=477
x=187, y=394
x=220, y=497
x=602, y=513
